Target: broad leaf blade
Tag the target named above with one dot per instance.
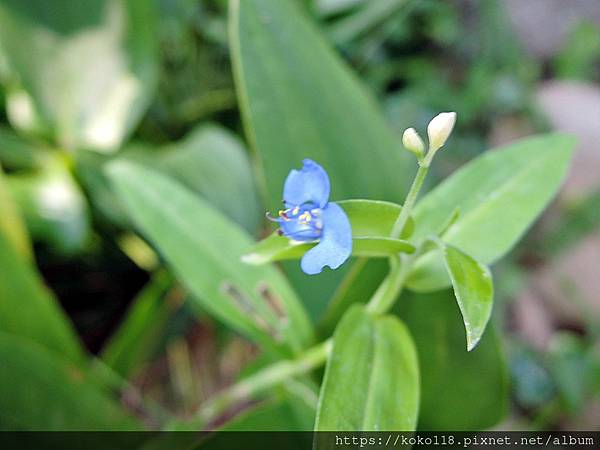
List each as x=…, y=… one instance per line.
x=460, y=390
x=27, y=308
x=41, y=391
x=11, y=224
x=88, y=66
x=499, y=195
x=371, y=380
x=374, y=217
x=204, y=248
x=473, y=289
x=371, y=222
x=299, y=100
x=213, y=162
x=17, y=153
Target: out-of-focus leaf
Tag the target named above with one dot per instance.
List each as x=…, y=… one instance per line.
x=371, y=222
x=473, y=289
x=210, y=160
x=371, y=379
x=332, y=7
x=369, y=16
x=88, y=66
x=18, y=153
x=54, y=208
x=530, y=381
x=460, y=390
x=275, y=415
x=26, y=307
x=213, y=162
x=281, y=416
x=42, y=391
x=11, y=224
x=580, y=55
x=22, y=113
x=570, y=364
x=300, y=101
x=576, y=221
x=204, y=250
x=498, y=194
x=137, y=337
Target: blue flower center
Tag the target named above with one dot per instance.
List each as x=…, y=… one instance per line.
x=301, y=223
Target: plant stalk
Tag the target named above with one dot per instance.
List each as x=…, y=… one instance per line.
x=411, y=197
x=265, y=378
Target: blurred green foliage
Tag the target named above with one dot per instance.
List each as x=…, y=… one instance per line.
x=160, y=90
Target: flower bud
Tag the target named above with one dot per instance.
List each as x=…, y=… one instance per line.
x=413, y=142
x=439, y=129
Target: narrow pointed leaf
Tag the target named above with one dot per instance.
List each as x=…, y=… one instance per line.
x=473, y=289
x=204, y=248
x=371, y=380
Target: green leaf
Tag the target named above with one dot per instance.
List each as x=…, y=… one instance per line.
x=11, y=224
x=371, y=221
x=473, y=289
x=17, y=153
x=299, y=100
x=41, y=391
x=89, y=66
x=460, y=390
x=213, y=162
x=365, y=19
x=570, y=366
x=27, y=308
x=54, y=207
x=371, y=379
x=210, y=160
x=133, y=343
x=204, y=248
x=274, y=415
x=498, y=196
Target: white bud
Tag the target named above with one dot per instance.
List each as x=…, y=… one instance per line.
x=439, y=129
x=413, y=142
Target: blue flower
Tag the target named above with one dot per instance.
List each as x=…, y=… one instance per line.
x=309, y=216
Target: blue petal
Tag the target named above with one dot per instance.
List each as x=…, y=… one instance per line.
x=335, y=245
x=310, y=184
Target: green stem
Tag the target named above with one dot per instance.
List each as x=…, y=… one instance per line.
x=390, y=289
x=265, y=378
x=410, y=200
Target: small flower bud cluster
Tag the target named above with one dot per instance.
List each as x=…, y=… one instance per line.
x=438, y=131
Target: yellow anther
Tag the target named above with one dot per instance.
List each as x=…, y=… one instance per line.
x=296, y=210
x=305, y=217
x=283, y=214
